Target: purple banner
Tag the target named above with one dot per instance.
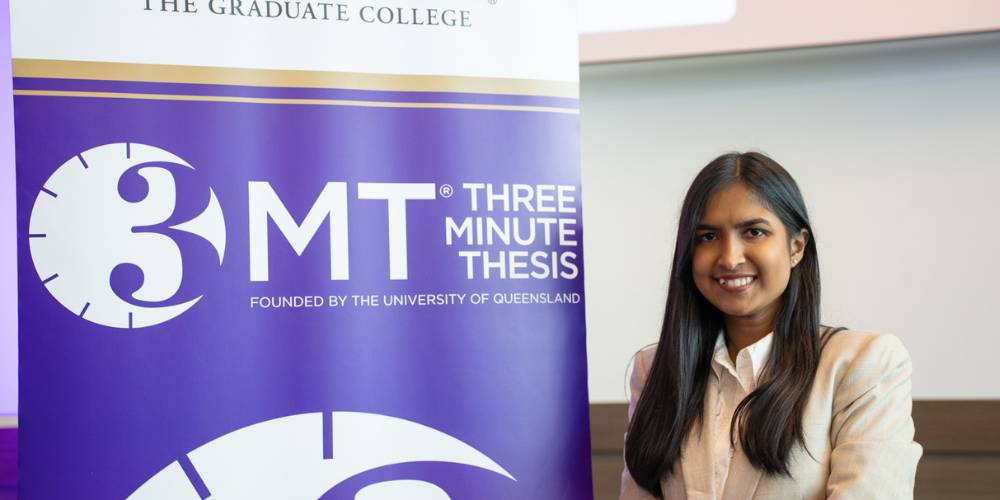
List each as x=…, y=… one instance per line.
x=8, y=464
x=379, y=297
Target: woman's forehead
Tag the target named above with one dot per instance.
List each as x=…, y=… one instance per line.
x=733, y=205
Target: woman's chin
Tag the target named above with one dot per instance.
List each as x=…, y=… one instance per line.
x=736, y=309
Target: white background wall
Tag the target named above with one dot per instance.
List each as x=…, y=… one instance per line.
x=896, y=147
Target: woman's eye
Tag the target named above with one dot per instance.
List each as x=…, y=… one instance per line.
x=754, y=232
x=705, y=237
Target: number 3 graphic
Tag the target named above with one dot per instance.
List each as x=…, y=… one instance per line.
x=82, y=228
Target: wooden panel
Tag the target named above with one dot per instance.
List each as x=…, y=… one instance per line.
x=958, y=477
x=608, y=423
x=957, y=426
x=939, y=477
x=607, y=432
x=607, y=469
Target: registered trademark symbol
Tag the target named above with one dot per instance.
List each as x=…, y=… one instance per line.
x=446, y=190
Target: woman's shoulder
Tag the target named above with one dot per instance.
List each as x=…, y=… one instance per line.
x=645, y=355
x=639, y=367
x=642, y=360
x=856, y=360
x=860, y=345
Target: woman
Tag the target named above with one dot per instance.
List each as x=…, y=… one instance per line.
x=746, y=395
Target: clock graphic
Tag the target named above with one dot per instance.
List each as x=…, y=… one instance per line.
x=305, y=456
x=85, y=224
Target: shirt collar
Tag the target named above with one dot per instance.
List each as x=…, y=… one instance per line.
x=756, y=354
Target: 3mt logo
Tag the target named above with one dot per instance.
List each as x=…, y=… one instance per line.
x=105, y=231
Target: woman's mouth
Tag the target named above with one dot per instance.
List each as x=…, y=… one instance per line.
x=737, y=284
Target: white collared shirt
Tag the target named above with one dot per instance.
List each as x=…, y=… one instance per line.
x=732, y=383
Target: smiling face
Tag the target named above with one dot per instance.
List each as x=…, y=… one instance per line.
x=743, y=256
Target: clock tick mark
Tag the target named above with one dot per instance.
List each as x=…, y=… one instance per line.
x=327, y=435
x=193, y=477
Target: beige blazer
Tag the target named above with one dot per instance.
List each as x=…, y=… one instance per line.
x=857, y=427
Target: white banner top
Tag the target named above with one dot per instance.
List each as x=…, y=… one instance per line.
x=470, y=38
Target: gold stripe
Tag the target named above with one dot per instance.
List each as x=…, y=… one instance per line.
x=45, y=68
x=8, y=422
x=320, y=102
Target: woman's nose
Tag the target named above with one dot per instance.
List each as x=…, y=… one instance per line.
x=732, y=254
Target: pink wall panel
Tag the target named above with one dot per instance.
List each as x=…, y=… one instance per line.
x=776, y=24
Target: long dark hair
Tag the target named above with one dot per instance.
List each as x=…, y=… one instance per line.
x=768, y=422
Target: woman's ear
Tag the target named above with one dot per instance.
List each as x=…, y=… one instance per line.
x=798, y=246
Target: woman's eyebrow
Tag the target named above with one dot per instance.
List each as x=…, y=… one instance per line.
x=753, y=222
x=746, y=223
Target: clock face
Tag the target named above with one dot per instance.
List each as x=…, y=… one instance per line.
x=304, y=456
x=96, y=216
